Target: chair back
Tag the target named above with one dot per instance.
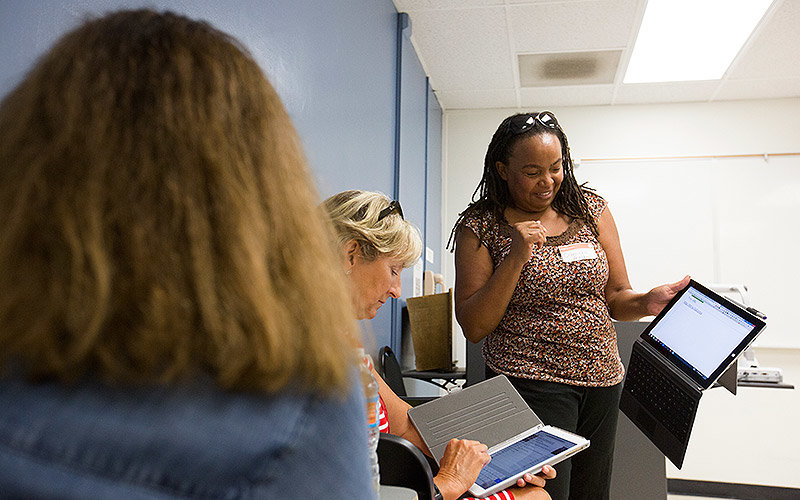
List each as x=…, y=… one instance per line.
x=403, y=464
x=391, y=372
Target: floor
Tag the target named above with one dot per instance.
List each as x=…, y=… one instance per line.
x=750, y=438
x=727, y=447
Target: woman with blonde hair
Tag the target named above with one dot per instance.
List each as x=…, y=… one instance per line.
x=376, y=243
x=171, y=320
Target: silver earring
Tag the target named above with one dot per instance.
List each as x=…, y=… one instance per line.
x=348, y=272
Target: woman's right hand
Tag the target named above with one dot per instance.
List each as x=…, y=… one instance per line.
x=459, y=467
x=538, y=479
x=525, y=236
x=531, y=486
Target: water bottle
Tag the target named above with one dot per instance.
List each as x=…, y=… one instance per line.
x=373, y=408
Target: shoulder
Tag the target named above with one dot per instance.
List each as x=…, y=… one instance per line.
x=484, y=226
x=595, y=202
x=478, y=215
x=480, y=220
x=223, y=441
x=330, y=444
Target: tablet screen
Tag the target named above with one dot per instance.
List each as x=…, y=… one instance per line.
x=702, y=332
x=521, y=456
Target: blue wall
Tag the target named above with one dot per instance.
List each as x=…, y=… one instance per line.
x=332, y=63
x=433, y=184
x=335, y=66
x=410, y=189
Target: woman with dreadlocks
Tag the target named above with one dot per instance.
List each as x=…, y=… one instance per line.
x=539, y=275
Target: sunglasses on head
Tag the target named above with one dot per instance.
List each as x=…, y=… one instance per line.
x=521, y=123
x=394, y=205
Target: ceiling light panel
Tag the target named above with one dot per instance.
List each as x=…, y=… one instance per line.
x=685, y=40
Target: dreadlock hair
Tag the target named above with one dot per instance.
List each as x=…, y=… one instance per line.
x=492, y=191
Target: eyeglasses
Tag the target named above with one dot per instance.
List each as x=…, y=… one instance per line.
x=521, y=123
x=394, y=205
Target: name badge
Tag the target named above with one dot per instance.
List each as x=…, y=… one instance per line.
x=577, y=251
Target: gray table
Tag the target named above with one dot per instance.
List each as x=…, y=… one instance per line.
x=640, y=471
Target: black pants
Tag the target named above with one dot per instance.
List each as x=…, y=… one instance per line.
x=587, y=411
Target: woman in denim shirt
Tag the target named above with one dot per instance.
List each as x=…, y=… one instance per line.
x=164, y=271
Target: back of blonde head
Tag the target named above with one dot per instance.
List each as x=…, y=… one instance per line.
x=355, y=215
x=158, y=220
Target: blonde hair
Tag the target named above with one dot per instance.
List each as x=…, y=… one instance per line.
x=158, y=219
x=355, y=217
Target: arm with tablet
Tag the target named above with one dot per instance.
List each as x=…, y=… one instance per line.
x=462, y=459
x=493, y=412
x=465, y=461
x=542, y=448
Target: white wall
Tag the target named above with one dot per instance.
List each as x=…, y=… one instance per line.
x=722, y=220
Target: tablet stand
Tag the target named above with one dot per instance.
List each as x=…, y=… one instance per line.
x=728, y=378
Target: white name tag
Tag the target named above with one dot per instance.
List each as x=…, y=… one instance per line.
x=577, y=251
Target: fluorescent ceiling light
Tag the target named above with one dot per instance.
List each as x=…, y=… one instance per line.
x=682, y=40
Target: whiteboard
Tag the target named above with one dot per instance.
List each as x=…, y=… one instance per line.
x=723, y=220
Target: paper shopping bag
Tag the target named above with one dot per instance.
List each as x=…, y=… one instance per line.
x=431, y=322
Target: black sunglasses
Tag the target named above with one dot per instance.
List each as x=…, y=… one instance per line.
x=394, y=205
x=521, y=123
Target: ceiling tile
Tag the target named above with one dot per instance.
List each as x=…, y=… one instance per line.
x=472, y=99
x=768, y=54
x=671, y=92
x=563, y=27
x=409, y=5
x=551, y=97
x=544, y=1
x=758, y=89
x=464, y=49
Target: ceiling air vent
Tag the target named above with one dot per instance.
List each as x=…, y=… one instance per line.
x=568, y=68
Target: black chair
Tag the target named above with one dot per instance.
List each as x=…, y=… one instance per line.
x=393, y=376
x=391, y=372
x=403, y=464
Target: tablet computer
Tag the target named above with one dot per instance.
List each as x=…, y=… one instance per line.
x=493, y=412
x=524, y=454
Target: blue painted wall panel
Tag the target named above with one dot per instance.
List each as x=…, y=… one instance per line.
x=413, y=117
x=433, y=189
x=333, y=63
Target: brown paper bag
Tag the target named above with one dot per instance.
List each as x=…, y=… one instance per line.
x=431, y=322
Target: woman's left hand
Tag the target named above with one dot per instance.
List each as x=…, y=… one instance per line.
x=537, y=479
x=660, y=296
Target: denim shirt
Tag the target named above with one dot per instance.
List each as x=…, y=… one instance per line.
x=92, y=441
